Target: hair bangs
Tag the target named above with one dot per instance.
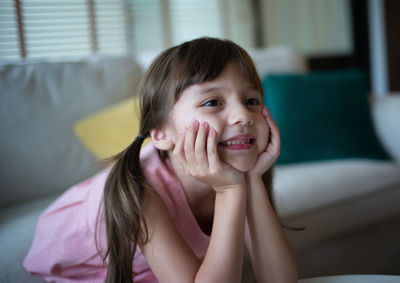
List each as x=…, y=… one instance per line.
x=203, y=59
x=175, y=69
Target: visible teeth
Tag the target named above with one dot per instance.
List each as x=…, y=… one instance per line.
x=237, y=142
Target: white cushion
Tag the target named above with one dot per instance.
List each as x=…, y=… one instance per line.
x=330, y=197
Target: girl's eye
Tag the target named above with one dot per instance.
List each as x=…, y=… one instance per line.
x=253, y=102
x=212, y=103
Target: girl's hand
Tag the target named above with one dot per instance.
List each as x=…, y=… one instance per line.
x=267, y=158
x=196, y=152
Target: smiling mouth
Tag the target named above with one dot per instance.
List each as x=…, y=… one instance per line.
x=237, y=142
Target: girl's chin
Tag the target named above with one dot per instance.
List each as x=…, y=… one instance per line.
x=241, y=161
x=242, y=166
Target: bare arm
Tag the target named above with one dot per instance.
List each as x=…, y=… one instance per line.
x=224, y=258
x=166, y=252
x=272, y=256
x=172, y=260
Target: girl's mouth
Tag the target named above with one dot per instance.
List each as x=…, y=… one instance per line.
x=228, y=143
x=238, y=142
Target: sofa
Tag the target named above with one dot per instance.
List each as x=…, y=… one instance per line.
x=342, y=214
x=40, y=153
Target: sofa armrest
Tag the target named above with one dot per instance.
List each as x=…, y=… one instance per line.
x=386, y=118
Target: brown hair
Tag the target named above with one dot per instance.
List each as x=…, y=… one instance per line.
x=171, y=72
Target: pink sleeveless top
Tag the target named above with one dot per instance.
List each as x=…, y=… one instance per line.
x=64, y=248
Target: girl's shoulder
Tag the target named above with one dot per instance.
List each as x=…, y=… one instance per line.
x=161, y=176
x=158, y=170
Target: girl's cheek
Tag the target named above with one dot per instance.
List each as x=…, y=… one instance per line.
x=261, y=121
x=264, y=131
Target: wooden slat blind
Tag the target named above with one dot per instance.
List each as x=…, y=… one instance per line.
x=50, y=28
x=158, y=24
x=9, y=36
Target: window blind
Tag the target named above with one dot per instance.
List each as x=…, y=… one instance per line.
x=192, y=18
x=62, y=28
x=9, y=43
x=159, y=24
x=146, y=25
x=50, y=28
x=54, y=28
x=111, y=23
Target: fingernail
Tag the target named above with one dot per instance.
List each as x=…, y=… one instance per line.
x=212, y=132
x=203, y=124
x=194, y=123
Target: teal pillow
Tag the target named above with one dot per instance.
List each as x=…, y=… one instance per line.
x=322, y=116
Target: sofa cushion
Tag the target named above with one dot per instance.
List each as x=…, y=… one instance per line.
x=17, y=226
x=39, y=103
x=322, y=116
x=110, y=130
x=332, y=197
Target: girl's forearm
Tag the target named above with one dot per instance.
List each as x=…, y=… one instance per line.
x=272, y=256
x=224, y=258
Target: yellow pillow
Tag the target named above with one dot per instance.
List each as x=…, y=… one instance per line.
x=111, y=130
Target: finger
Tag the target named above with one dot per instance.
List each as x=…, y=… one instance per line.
x=265, y=112
x=273, y=127
x=274, y=134
x=179, y=151
x=200, y=145
x=212, y=153
x=190, y=143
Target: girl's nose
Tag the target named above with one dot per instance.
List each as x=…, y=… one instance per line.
x=240, y=115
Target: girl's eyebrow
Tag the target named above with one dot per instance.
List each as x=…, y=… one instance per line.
x=253, y=88
x=206, y=90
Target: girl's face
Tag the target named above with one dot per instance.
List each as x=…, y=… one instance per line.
x=232, y=106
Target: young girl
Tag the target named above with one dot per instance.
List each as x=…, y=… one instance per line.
x=185, y=210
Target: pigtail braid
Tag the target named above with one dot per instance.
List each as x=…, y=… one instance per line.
x=125, y=225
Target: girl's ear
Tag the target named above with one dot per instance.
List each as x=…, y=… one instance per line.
x=161, y=140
